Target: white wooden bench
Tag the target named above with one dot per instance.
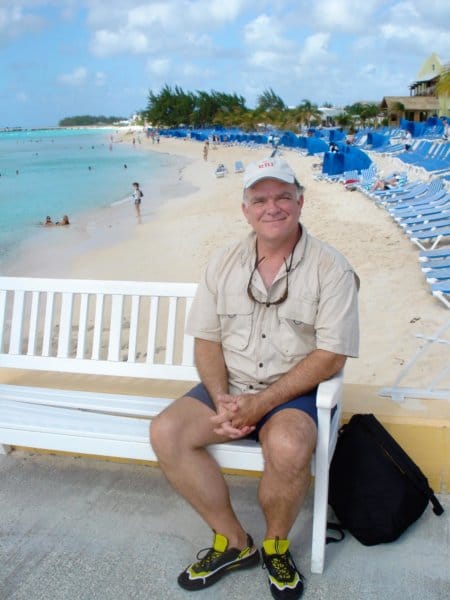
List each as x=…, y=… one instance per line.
x=118, y=328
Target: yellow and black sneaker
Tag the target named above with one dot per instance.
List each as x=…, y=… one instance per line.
x=217, y=562
x=286, y=582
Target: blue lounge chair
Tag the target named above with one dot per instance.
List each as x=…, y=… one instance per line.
x=441, y=291
x=437, y=274
x=413, y=193
x=433, y=206
x=435, y=253
x=421, y=196
x=432, y=236
x=435, y=263
x=428, y=225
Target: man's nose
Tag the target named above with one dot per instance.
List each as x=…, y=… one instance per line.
x=272, y=204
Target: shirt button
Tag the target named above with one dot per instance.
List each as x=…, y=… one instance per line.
x=250, y=387
x=261, y=382
x=260, y=365
x=263, y=335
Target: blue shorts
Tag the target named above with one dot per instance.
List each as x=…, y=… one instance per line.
x=305, y=403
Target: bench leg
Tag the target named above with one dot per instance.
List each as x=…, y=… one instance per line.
x=320, y=496
x=4, y=449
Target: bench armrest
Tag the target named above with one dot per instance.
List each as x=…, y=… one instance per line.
x=329, y=391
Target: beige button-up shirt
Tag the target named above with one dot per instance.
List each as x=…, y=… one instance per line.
x=260, y=343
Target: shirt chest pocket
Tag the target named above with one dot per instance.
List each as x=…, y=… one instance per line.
x=235, y=313
x=295, y=334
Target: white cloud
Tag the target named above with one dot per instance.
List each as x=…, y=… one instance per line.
x=432, y=14
x=264, y=59
x=415, y=38
x=22, y=97
x=14, y=22
x=75, y=78
x=266, y=32
x=100, y=79
x=106, y=43
x=159, y=66
x=191, y=70
x=315, y=48
x=218, y=10
x=345, y=15
x=368, y=69
x=151, y=27
x=144, y=16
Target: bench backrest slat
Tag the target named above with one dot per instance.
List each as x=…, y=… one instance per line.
x=115, y=329
x=188, y=341
x=152, y=321
x=134, y=322
x=32, y=334
x=65, y=325
x=98, y=325
x=82, y=325
x=170, y=335
x=17, y=323
x=48, y=323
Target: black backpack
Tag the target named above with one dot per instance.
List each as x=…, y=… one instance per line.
x=376, y=490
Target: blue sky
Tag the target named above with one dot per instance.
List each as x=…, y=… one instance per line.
x=62, y=58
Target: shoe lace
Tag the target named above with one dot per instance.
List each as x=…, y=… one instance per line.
x=280, y=566
x=205, y=561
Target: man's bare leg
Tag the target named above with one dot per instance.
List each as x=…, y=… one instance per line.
x=179, y=435
x=288, y=440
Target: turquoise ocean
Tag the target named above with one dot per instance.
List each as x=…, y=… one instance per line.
x=68, y=171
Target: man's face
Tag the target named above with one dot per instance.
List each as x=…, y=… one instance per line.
x=273, y=209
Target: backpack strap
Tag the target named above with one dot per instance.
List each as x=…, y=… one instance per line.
x=437, y=506
x=339, y=529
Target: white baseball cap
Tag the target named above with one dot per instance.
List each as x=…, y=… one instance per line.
x=273, y=168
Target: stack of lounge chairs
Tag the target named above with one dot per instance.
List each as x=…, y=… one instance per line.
x=436, y=268
x=422, y=210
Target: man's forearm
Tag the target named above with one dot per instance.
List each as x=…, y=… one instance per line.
x=211, y=367
x=303, y=377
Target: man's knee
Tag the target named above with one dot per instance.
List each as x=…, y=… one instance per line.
x=289, y=447
x=183, y=426
x=163, y=432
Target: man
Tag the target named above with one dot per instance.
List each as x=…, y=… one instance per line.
x=274, y=315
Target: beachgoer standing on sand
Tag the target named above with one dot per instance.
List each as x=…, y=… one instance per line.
x=137, y=198
x=205, y=150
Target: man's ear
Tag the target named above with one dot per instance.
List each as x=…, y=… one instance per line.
x=244, y=208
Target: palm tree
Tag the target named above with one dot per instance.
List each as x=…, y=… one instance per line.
x=307, y=113
x=345, y=120
x=443, y=85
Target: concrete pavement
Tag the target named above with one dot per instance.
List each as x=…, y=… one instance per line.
x=84, y=529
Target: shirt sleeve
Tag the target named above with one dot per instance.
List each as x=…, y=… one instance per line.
x=203, y=321
x=337, y=322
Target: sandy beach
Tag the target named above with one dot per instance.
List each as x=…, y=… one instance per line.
x=196, y=212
